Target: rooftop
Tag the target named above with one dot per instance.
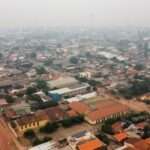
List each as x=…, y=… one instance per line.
x=105, y=109
x=120, y=136
x=92, y=144
x=79, y=107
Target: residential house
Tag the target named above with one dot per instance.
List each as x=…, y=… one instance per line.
x=31, y=121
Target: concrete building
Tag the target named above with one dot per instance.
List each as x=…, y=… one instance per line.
x=69, y=91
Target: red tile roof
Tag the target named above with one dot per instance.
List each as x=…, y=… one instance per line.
x=79, y=107
x=147, y=141
x=71, y=113
x=55, y=113
x=107, y=109
x=142, y=145
x=120, y=136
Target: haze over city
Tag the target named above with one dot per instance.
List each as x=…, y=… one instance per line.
x=96, y=13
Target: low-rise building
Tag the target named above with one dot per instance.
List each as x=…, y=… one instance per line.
x=69, y=91
x=106, y=110
x=79, y=107
x=85, y=141
x=31, y=121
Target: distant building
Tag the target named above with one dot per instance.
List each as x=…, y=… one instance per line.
x=85, y=75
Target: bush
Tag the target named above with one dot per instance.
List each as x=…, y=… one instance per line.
x=49, y=128
x=38, y=141
x=72, y=121
x=40, y=70
x=36, y=98
x=107, y=128
x=42, y=84
x=29, y=134
x=103, y=137
x=9, y=99
x=43, y=105
x=146, y=132
x=30, y=90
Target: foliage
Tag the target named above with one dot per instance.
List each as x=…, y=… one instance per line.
x=38, y=141
x=30, y=90
x=107, y=128
x=72, y=121
x=40, y=70
x=1, y=55
x=9, y=99
x=35, y=97
x=42, y=84
x=49, y=128
x=146, y=132
x=74, y=60
x=43, y=105
x=139, y=86
x=139, y=67
x=29, y=134
x=103, y=137
x=48, y=62
x=33, y=55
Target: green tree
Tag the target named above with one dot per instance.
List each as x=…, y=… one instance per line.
x=29, y=134
x=40, y=70
x=35, y=97
x=33, y=55
x=1, y=55
x=107, y=128
x=48, y=62
x=74, y=60
x=30, y=90
x=146, y=132
x=103, y=137
x=9, y=99
x=42, y=84
x=49, y=128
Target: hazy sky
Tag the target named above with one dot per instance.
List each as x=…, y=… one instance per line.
x=74, y=12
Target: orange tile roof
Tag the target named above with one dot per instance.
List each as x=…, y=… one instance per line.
x=142, y=145
x=79, y=107
x=120, y=136
x=147, y=141
x=107, y=110
x=71, y=113
x=91, y=145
